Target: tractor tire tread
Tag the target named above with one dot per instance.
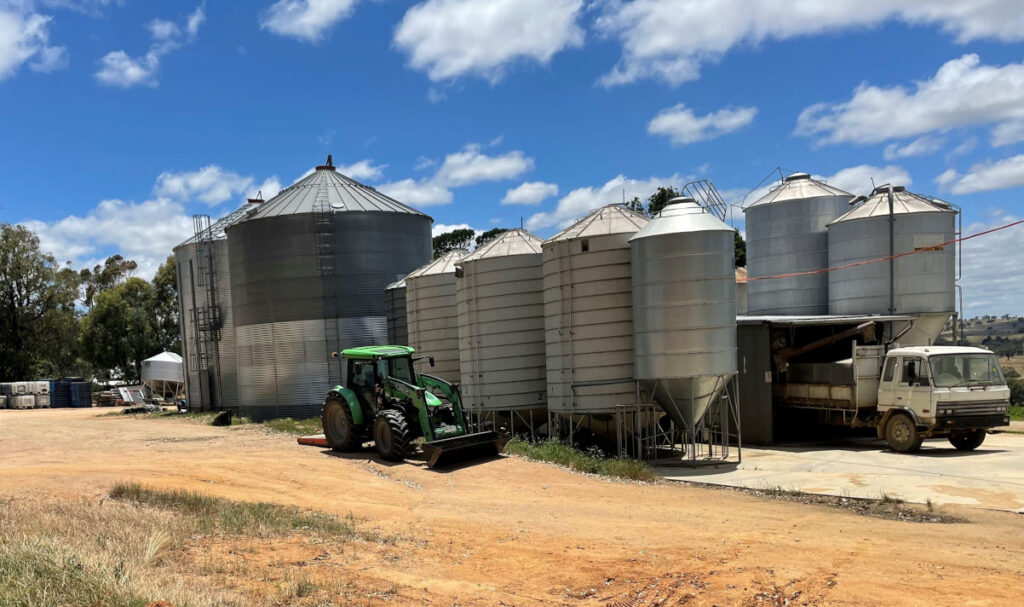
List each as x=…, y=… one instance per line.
x=401, y=437
x=353, y=440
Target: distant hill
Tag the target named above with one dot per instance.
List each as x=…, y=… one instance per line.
x=1004, y=335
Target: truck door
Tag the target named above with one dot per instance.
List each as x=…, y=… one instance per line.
x=914, y=388
x=887, y=384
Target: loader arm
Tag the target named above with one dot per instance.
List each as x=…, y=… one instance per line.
x=418, y=397
x=447, y=390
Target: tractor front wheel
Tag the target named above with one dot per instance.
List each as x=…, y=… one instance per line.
x=391, y=435
x=339, y=429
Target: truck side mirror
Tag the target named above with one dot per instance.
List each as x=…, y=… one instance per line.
x=430, y=359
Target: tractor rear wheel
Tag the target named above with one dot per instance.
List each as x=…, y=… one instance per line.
x=339, y=429
x=391, y=435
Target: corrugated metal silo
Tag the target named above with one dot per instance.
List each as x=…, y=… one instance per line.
x=501, y=325
x=398, y=330
x=432, y=314
x=787, y=233
x=588, y=313
x=923, y=283
x=684, y=309
x=206, y=320
x=308, y=272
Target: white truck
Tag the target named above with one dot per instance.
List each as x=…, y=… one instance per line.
x=906, y=394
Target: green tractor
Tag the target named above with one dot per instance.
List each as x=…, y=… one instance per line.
x=386, y=401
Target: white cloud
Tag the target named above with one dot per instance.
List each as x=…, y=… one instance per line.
x=578, y=202
x=452, y=38
x=210, y=184
x=682, y=126
x=118, y=68
x=469, y=166
x=1007, y=133
x=417, y=193
x=670, y=39
x=306, y=20
x=991, y=278
x=961, y=93
x=145, y=232
x=364, y=169
x=861, y=179
x=966, y=147
x=530, y=192
x=921, y=146
x=986, y=176
x=268, y=189
x=441, y=228
x=25, y=36
x=423, y=162
x=465, y=167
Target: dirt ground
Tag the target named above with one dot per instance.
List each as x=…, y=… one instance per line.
x=512, y=532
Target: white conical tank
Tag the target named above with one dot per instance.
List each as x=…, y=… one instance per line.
x=684, y=308
x=922, y=283
x=787, y=233
x=501, y=325
x=588, y=313
x=432, y=314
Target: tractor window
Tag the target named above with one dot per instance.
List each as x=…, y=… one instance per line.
x=401, y=368
x=362, y=374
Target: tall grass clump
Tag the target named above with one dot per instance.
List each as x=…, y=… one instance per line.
x=214, y=514
x=288, y=425
x=557, y=453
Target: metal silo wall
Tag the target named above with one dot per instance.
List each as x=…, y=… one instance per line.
x=684, y=318
x=588, y=324
x=184, y=257
x=290, y=313
x=398, y=333
x=501, y=333
x=786, y=237
x=924, y=281
x=226, y=347
x=433, y=322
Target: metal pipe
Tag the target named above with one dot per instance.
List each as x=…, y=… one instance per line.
x=892, y=253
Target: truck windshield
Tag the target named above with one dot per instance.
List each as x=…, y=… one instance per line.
x=951, y=370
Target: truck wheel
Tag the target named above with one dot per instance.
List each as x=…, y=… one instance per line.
x=339, y=429
x=391, y=435
x=902, y=434
x=967, y=440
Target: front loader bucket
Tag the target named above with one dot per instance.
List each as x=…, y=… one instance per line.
x=448, y=451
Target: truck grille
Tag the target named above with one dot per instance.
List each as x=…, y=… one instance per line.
x=975, y=408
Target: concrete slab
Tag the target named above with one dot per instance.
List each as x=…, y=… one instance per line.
x=990, y=477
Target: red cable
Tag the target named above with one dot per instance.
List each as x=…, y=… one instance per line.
x=914, y=252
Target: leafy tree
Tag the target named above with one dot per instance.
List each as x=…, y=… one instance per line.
x=115, y=270
x=636, y=205
x=657, y=201
x=120, y=331
x=489, y=235
x=449, y=241
x=740, y=249
x=37, y=297
x=165, y=306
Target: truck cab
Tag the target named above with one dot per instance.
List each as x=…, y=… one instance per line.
x=940, y=391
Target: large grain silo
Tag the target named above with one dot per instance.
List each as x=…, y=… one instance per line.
x=398, y=331
x=432, y=314
x=684, y=309
x=501, y=329
x=205, y=316
x=308, y=272
x=588, y=315
x=893, y=221
x=787, y=233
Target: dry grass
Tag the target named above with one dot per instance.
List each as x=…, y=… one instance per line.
x=144, y=545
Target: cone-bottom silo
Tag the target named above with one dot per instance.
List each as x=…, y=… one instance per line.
x=893, y=222
x=588, y=318
x=787, y=233
x=501, y=330
x=432, y=315
x=684, y=309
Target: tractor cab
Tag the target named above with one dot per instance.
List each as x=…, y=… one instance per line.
x=385, y=400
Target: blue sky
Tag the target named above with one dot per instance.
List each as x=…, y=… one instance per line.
x=120, y=119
